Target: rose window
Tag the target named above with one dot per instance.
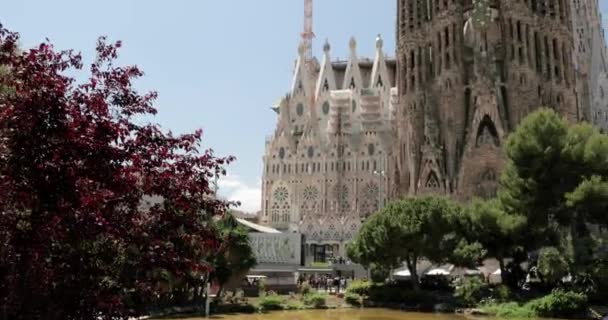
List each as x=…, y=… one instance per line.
x=281, y=194
x=310, y=194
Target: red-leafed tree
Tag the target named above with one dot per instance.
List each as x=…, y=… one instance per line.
x=78, y=240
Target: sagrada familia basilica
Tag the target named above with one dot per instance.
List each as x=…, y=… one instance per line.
x=353, y=134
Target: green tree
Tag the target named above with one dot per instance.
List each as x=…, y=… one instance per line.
x=590, y=199
x=237, y=256
x=405, y=231
x=556, y=176
x=498, y=233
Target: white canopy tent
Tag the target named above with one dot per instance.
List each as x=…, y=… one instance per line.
x=438, y=272
x=496, y=276
x=402, y=273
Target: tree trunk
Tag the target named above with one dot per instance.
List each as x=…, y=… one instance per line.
x=218, y=297
x=411, y=266
x=503, y=271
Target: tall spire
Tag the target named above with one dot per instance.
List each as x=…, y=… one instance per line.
x=308, y=34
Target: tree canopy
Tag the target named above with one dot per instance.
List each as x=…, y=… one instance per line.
x=557, y=178
x=406, y=231
x=77, y=240
x=499, y=233
x=236, y=256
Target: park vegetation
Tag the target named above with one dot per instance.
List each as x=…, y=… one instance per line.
x=551, y=204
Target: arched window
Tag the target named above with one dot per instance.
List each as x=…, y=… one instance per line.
x=432, y=181
x=487, y=134
x=352, y=83
x=325, y=108
x=489, y=175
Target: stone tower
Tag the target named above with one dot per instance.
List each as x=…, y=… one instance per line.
x=590, y=61
x=468, y=72
x=329, y=161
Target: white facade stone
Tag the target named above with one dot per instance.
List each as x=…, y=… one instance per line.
x=327, y=166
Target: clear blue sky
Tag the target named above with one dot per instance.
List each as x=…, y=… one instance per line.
x=217, y=64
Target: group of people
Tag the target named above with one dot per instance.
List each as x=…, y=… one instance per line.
x=339, y=260
x=325, y=282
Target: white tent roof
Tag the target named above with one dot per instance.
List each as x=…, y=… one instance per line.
x=438, y=272
x=257, y=227
x=402, y=273
x=472, y=272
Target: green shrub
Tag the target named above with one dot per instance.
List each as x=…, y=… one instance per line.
x=386, y=293
x=398, y=293
x=501, y=293
x=418, y=297
x=271, y=302
x=599, y=277
x=552, y=265
x=317, y=300
x=560, y=303
x=295, y=306
x=471, y=291
x=360, y=287
x=305, y=288
x=353, y=299
x=379, y=275
x=262, y=287
x=232, y=308
x=509, y=310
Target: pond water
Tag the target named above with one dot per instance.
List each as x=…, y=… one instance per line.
x=340, y=314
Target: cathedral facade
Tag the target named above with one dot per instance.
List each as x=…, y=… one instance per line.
x=590, y=60
x=326, y=165
x=470, y=70
x=352, y=134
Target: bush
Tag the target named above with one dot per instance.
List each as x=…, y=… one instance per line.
x=439, y=283
x=419, y=297
x=599, y=277
x=560, y=303
x=400, y=293
x=317, y=300
x=552, y=265
x=353, y=299
x=271, y=302
x=360, y=287
x=305, y=289
x=232, y=308
x=379, y=275
x=262, y=287
x=471, y=291
x=509, y=310
x=387, y=293
x=501, y=293
x=295, y=306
